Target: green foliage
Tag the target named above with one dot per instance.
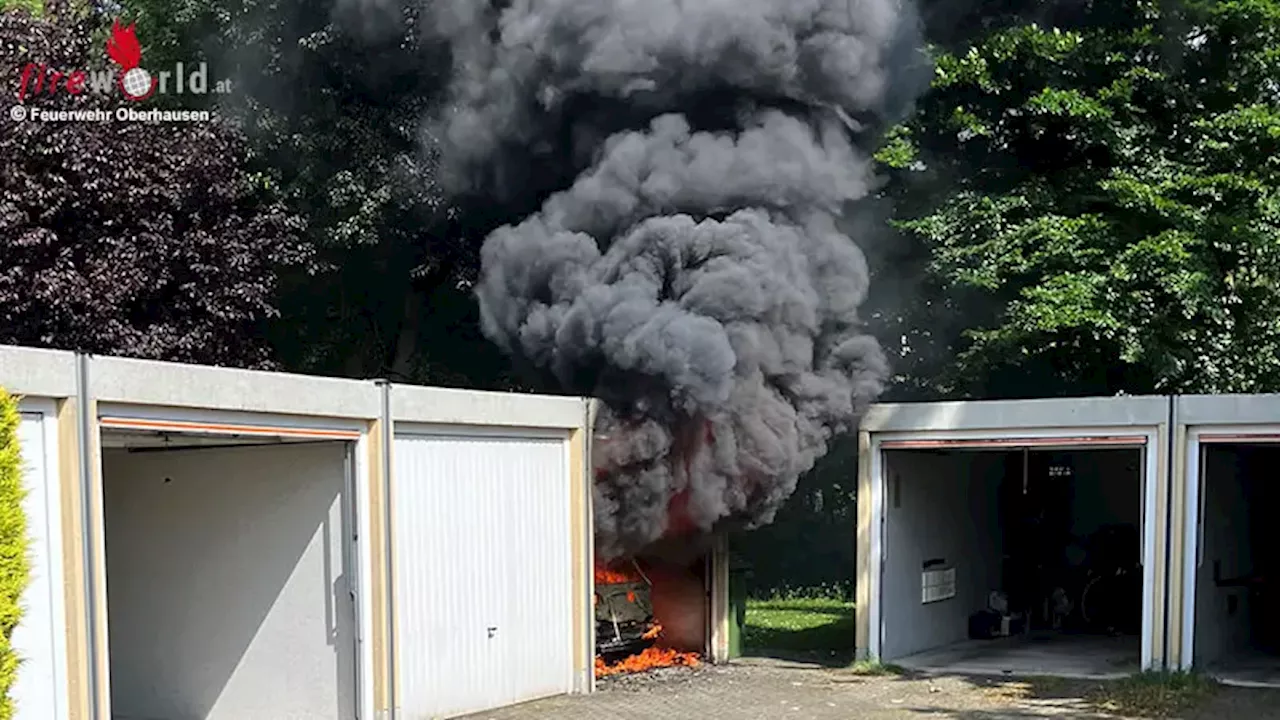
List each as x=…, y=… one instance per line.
x=874, y=668
x=332, y=98
x=30, y=7
x=799, y=625
x=131, y=238
x=14, y=568
x=787, y=592
x=1098, y=205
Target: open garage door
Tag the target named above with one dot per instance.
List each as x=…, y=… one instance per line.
x=1023, y=555
x=483, y=571
x=1235, y=564
x=231, y=581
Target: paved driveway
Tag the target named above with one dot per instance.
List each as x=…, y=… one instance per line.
x=776, y=690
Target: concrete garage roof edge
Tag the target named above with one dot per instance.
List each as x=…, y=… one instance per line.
x=1085, y=412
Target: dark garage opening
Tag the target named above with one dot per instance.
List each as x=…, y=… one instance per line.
x=1237, y=628
x=1013, y=560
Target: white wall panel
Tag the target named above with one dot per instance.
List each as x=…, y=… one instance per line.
x=483, y=571
x=40, y=639
x=925, y=490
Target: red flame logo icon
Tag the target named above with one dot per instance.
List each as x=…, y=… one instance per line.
x=123, y=46
x=124, y=49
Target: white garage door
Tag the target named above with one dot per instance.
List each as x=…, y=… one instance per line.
x=38, y=639
x=483, y=565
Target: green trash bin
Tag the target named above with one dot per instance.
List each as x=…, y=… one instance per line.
x=739, y=572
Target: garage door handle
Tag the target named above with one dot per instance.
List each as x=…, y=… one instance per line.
x=492, y=630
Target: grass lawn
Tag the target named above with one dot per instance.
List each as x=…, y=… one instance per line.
x=799, y=626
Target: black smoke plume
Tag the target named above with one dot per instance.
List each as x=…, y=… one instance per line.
x=681, y=173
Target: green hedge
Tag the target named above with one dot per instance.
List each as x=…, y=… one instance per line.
x=13, y=546
x=32, y=7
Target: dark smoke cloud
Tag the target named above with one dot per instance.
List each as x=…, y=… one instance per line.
x=688, y=165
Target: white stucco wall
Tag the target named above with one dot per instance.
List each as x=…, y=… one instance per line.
x=938, y=506
x=227, y=584
x=1219, y=630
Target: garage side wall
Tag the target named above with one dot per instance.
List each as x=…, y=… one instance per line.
x=938, y=507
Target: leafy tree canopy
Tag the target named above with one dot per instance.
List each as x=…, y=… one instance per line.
x=331, y=95
x=1096, y=203
x=134, y=238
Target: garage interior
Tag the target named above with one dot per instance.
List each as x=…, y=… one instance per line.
x=230, y=590
x=1013, y=560
x=1237, y=628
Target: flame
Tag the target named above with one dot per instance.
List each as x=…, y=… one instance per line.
x=609, y=575
x=123, y=46
x=654, y=657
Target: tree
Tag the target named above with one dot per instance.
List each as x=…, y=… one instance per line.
x=31, y=7
x=332, y=96
x=1096, y=203
x=135, y=238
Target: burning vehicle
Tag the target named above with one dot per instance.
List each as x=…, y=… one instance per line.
x=629, y=635
x=676, y=183
x=625, y=624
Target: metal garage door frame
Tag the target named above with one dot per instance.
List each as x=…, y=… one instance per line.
x=217, y=423
x=267, y=426
x=419, y=430
x=1140, y=438
x=1198, y=439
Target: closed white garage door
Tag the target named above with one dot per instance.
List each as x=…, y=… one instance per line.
x=483, y=565
x=38, y=638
